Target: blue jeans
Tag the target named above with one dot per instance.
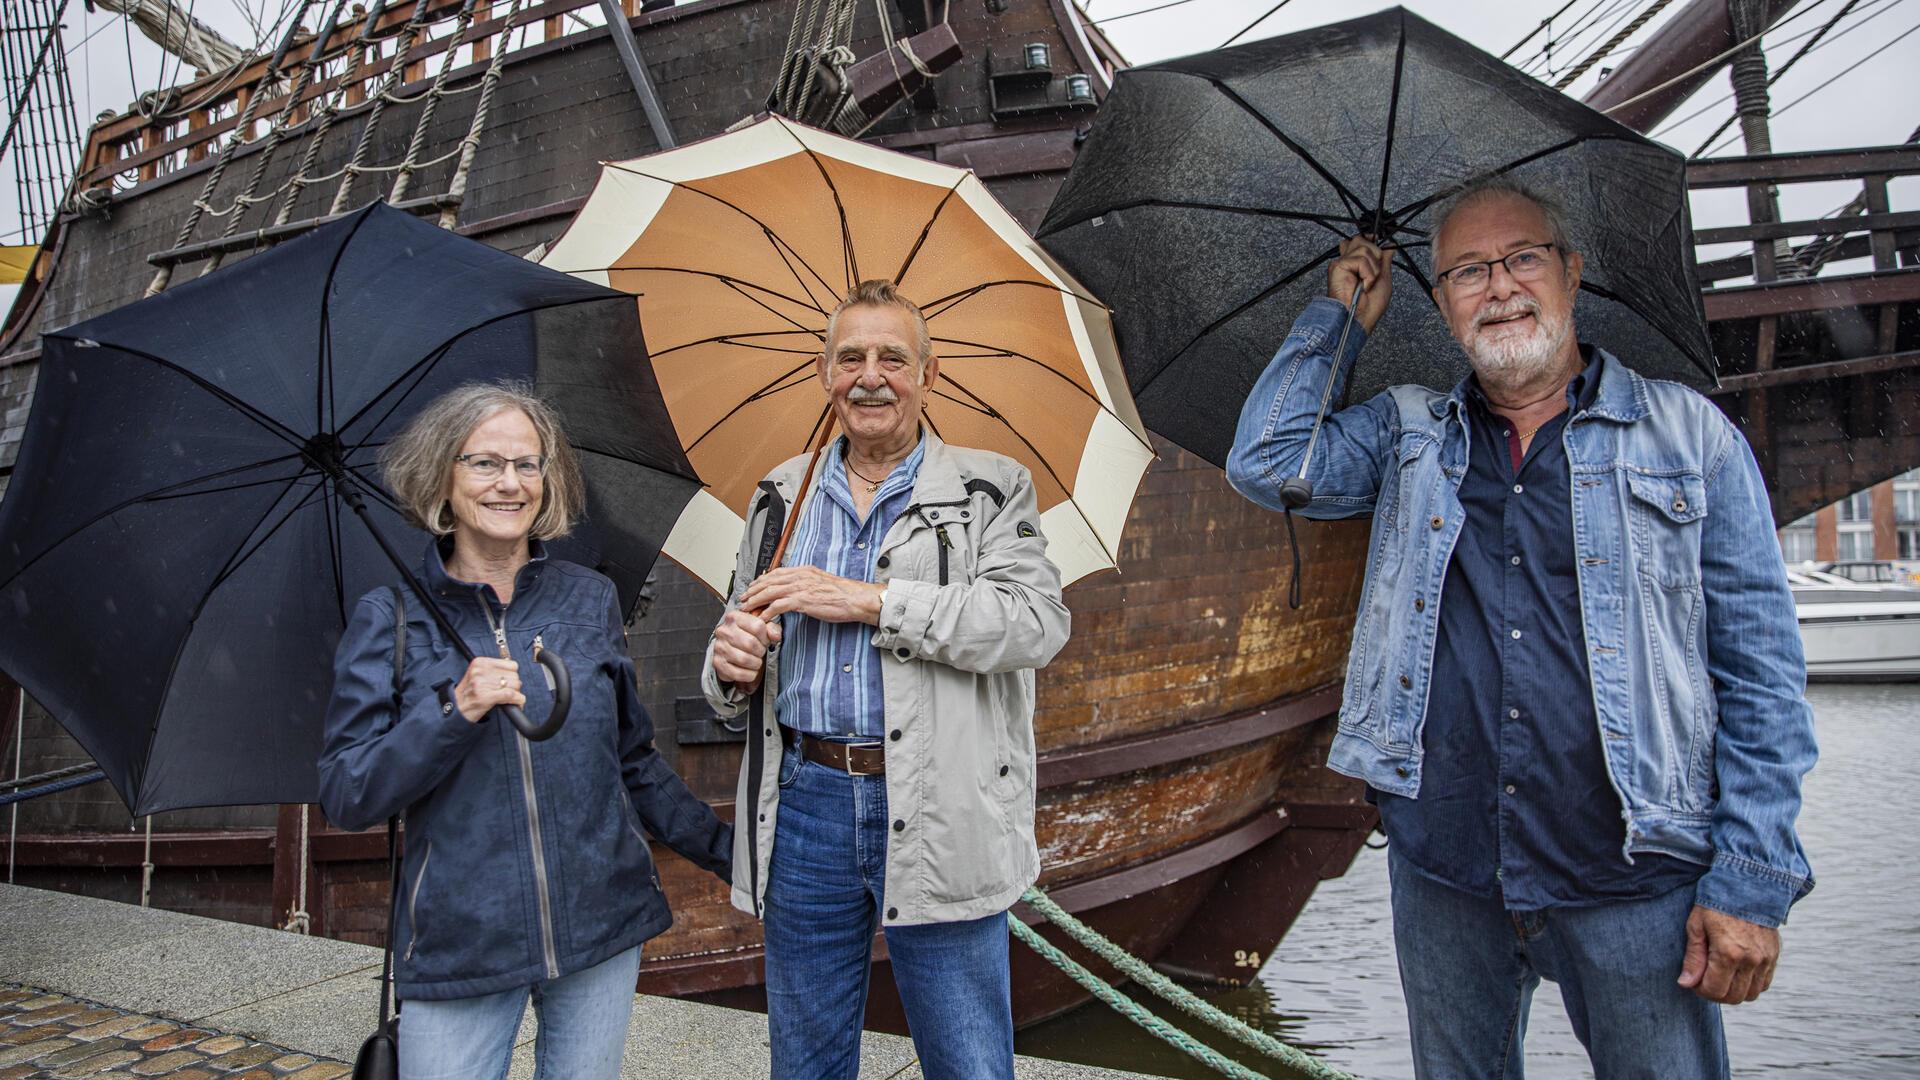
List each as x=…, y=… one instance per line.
x=825, y=892
x=1469, y=967
x=583, y=1027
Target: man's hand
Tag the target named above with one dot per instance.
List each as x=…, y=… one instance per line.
x=1362, y=262
x=740, y=645
x=1728, y=960
x=810, y=590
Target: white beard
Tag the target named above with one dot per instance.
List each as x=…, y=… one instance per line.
x=1511, y=359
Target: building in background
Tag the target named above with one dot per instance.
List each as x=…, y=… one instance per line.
x=1882, y=522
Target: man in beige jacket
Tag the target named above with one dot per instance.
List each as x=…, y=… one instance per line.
x=889, y=665
x=889, y=774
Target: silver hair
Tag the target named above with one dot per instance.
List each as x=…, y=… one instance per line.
x=418, y=462
x=1492, y=186
x=879, y=292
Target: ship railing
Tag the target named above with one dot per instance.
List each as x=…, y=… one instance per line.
x=1799, y=266
x=169, y=132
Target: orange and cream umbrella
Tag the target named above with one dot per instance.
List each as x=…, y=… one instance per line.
x=739, y=246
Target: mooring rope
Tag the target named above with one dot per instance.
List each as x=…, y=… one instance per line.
x=1140, y=972
x=51, y=789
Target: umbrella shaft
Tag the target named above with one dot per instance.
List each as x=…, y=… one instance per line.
x=1333, y=376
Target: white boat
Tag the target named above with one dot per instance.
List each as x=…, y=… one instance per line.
x=1857, y=632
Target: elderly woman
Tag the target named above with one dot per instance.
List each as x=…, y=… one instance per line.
x=526, y=872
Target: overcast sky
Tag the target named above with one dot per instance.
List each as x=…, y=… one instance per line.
x=1873, y=100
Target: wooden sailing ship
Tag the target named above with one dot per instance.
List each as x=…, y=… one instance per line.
x=1182, y=807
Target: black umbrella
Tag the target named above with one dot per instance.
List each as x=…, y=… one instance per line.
x=1214, y=189
x=177, y=555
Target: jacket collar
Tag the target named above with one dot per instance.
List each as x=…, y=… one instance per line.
x=1621, y=396
x=433, y=568
x=939, y=482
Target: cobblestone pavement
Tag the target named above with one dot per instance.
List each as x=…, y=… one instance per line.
x=63, y=1038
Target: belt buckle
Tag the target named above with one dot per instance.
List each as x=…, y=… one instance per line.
x=847, y=762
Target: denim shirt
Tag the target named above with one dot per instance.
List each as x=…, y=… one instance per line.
x=1698, y=677
x=829, y=671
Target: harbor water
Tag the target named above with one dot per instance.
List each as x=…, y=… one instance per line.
x=1844, y=1003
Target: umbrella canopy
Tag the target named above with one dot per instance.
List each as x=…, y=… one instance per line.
x=1215, y=188
x=740, y=246
x=176, y=562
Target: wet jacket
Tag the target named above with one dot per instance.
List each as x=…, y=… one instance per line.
x=1693, y=650
x=973, y=607
x=524, y=861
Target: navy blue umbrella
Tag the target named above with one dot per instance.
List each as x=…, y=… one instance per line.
x=197, y=503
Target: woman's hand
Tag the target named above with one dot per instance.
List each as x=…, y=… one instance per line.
x=488, y=682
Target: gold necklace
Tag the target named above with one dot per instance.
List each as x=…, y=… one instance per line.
x=1528, y=434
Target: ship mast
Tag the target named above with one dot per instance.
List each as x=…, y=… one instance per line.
x=198, y=45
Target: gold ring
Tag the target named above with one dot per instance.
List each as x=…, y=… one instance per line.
x=503, y=682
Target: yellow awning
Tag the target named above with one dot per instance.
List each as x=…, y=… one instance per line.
x=15, y=262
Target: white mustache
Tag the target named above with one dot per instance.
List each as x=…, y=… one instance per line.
x=882, y=395
x=1518, y=305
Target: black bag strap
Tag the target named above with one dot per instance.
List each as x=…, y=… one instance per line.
x=393, y=861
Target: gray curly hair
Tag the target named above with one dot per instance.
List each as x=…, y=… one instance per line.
x=418, y=462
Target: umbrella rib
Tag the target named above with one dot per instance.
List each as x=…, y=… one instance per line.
x=1042, y=458
x=851, y=260
x=772, y=237
x=171, y=491
x=1407, y=264
x=153, y=729
x=728, y=279
x=324, y=384
x=1232, y=315
x=244, y=552
x=1393, y=121
x=766, y=390
x=953, y=300
x=1608, y=294
x=241, y=407
x=927, y=230
x=735, y=339
x=438, y=352
x=1044, y=366
x=1352, y=201
x=1327, y=220
x=1420, y=206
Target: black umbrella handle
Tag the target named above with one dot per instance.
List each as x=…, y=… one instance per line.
x=1297, y=492
x=562, y=700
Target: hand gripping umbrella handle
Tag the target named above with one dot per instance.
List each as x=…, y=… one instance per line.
x=1297, y=492
x=562, y=700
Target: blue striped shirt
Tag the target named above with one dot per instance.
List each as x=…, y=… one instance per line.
x=830, y=672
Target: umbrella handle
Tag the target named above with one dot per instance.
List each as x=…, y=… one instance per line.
x=562, y=701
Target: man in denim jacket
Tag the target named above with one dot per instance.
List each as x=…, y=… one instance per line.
x=1576, y=684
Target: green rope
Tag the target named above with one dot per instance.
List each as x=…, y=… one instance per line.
x=1138, y=970
x=1127, y=1007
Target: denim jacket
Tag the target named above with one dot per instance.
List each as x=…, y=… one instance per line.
x=1694, y=652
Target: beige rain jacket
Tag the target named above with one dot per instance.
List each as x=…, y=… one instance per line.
x=959, y=687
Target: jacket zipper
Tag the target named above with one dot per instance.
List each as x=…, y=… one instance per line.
x=413, y=901
x=533, y=809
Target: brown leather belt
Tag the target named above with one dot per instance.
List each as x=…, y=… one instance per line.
x=854, y=759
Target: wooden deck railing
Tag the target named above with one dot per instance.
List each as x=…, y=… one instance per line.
x=136, y=148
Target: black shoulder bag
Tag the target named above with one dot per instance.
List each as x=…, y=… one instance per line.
x=379, y=1057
